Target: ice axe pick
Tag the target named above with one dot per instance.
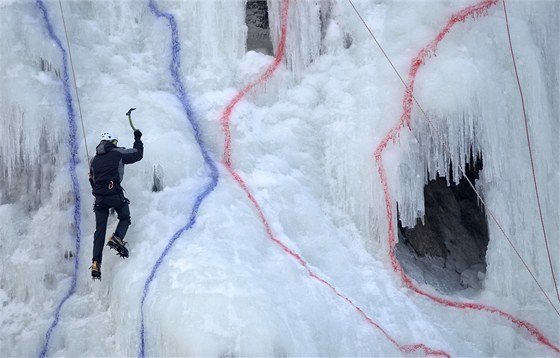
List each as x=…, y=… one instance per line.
x=130, y=118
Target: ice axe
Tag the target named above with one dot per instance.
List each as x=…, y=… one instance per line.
x=130, y=118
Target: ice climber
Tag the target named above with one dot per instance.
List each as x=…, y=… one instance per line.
x=105, y=176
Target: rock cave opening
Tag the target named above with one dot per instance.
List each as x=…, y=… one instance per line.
x=258, y=31
x=448, y=249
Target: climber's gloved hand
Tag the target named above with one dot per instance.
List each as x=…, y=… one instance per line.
x=137, y=134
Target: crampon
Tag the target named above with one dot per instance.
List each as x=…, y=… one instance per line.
x=118, y=245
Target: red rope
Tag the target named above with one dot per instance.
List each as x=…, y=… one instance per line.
x=226, y=115
x=392, y=135
x=225, y=121
x=530, y=149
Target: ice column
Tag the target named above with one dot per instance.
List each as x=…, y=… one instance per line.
x=303, y=41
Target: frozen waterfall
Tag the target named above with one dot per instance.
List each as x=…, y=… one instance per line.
x=285, y=175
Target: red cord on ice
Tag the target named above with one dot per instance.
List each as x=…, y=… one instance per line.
x=225, y=121
x=262, y=78
x=417, y=62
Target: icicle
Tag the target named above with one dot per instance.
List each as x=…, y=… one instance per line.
x=158, y=178
x=304, y=35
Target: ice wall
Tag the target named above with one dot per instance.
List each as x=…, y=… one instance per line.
x=304, y=142
x=347, y=113
x=29, y=152
x=131, y=61
x=481, y=109
x=303, y=42
x=213, y=38
x=469, y=93
x=38, y=197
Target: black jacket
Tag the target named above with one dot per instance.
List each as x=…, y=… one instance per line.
x=106, y=169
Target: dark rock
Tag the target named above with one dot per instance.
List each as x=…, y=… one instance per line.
x=454, y=228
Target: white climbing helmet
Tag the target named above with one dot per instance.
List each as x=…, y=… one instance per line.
x=109, y=136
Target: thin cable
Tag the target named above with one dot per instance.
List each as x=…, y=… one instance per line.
x=530, y=149
x=410, y=93
x=74, y=78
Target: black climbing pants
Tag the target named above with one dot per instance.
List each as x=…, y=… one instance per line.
x=101, y=208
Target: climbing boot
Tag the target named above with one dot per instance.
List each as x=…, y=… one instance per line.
x=118, y=244
x=95, y=270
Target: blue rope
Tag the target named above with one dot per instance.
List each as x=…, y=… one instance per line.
x=175, y=67
x=73, y=145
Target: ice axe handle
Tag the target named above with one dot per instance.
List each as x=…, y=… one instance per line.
x=130, y=118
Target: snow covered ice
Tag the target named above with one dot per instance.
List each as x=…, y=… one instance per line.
x=205, y=277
